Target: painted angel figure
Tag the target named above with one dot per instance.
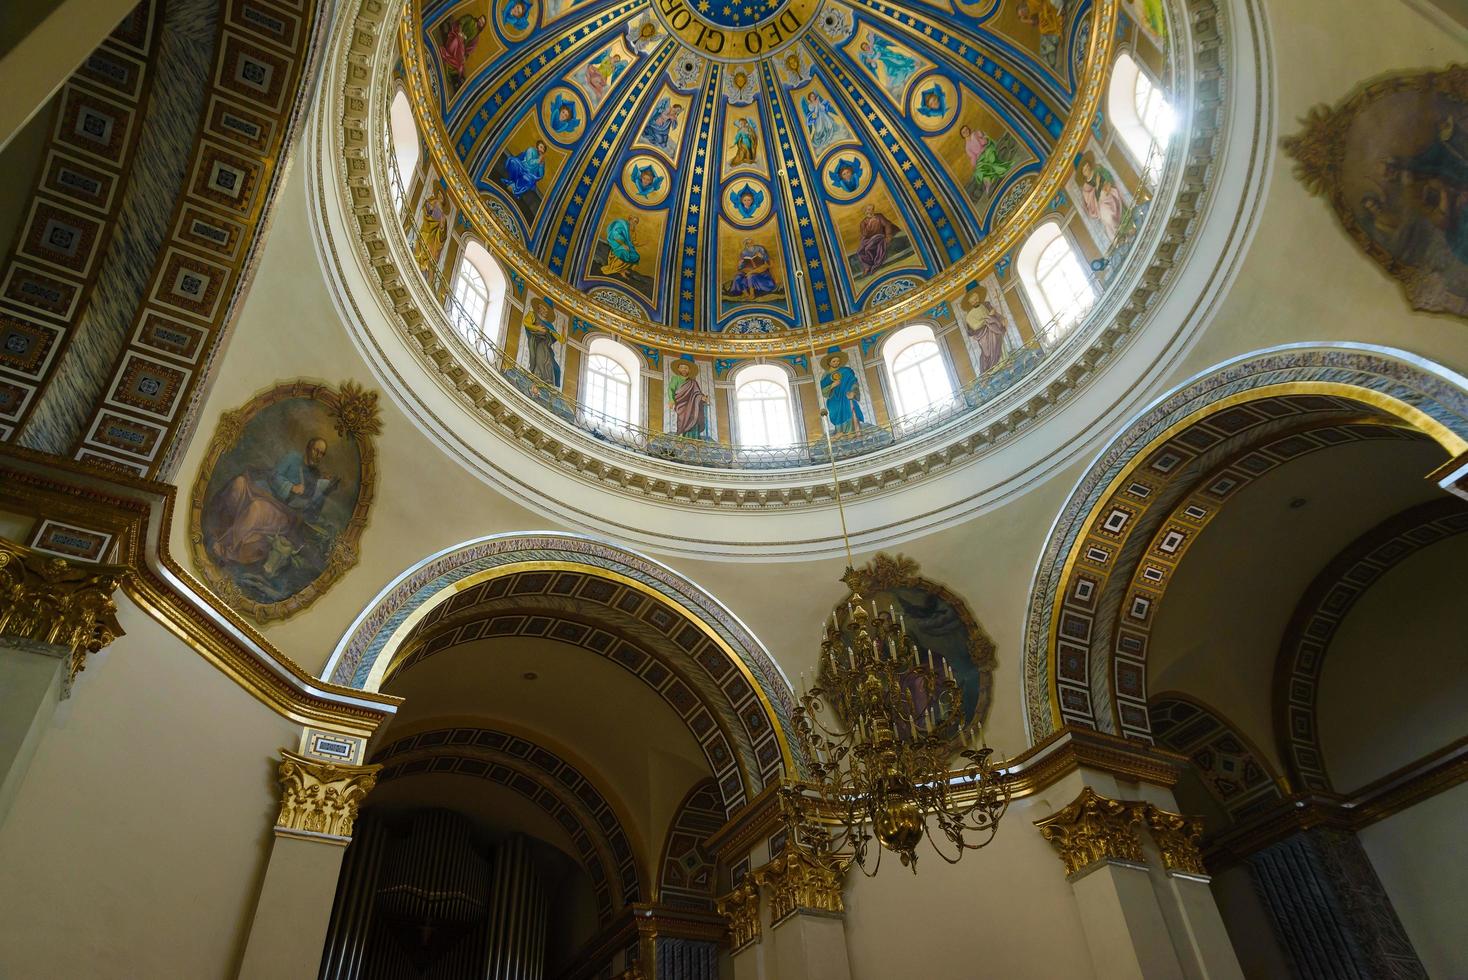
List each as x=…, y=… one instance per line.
x=746, y=201
x=1100, y=196
x=602, y=72
x=880, y=53
x=563, y=118
x=846, y=174
x=821, y=121
x=746, y=142
x=664, y=120
x=517, y=15
x=1048, y=19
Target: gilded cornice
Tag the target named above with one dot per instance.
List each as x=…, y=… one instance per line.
x=138, y=512
x=1176, y=837
x=319, y=800
x=379, y=246
x=59, y=603
x=800, y=882
x=740, y=909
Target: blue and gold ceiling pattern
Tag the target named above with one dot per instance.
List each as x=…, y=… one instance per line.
x=748, y=165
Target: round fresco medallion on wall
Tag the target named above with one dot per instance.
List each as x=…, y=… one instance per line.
x=845, y=175
x=645, y=179
x=516, y=18
x=933, y=103
x=282, y=496
x=746, y=201
x=563, y=115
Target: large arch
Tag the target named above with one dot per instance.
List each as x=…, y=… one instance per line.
x=1321, y=611
x=579, y=590
x=523, y=765
x=1114, y=543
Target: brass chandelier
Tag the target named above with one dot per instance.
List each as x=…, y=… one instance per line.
x=882, y=765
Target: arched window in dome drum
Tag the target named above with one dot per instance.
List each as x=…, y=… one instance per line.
x=1141, y=114
x=477, y=299
x=763, y=407
x=1055, y=281
x=609, y=387
x=918, y=374
x=402, y=147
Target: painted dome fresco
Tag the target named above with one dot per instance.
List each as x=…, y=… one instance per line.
x=738, y=167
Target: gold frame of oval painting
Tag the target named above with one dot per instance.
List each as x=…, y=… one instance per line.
x=282, y=496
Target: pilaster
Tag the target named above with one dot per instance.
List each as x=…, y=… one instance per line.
x=318, y=809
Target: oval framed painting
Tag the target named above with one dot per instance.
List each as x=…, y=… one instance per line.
x=282, y=496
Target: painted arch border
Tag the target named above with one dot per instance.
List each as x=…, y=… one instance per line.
x=364, y=652
x=1422, y=393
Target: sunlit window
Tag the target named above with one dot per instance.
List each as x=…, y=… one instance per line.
x=476, y=298
x=1141, y=114
x=609, y=388
x=402, y=147
x=915, y=365
x=1059, y=288
x=764, y=407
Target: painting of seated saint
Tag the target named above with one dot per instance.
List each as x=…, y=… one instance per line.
x=282, y=496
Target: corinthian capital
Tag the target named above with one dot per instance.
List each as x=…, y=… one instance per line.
x=740, y=909
x=58, y=603
x=1094, y=828
x=320, y=799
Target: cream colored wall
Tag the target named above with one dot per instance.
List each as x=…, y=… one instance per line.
x=136, y=845
x=1421, y=856
x=1303, y=278
x=1395, y=680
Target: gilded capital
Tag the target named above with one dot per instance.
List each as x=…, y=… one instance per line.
x=802, y=882
x=1094, y=828
x=320, y=798
x=1177, y=839
x=52, y=601
x=740, y=909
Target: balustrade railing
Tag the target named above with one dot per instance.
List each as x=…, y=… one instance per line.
x=1016, y=364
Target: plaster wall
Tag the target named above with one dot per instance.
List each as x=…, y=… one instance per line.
x=1396, y=677
x=136, y=844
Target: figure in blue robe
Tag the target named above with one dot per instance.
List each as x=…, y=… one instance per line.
x=842, y=392
x=622, y=243
x=754, y=277
x=882, y=52
x=525, y=170
x=664, y=120
x=821, y=121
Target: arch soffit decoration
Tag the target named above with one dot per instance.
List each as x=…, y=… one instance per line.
x=1230, y=766
x=1081, y=668
x=632, y=632
x=711, y=639
x=686, y=869
x=559, y=788
x=1323, y=607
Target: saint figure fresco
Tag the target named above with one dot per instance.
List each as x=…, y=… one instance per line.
x=664, y=120
x=526, y=170
x=433, y=230
x=887, y=63
x=821, y=121
x=986, y=328
x=601, y=73
x=686, y=396
x=457, y=38
x=622, y=244
x=876, y=231
x=1048, y=19
x=746, y=142
x=541, y=338
x=1100, y=196
x=754, y=277
x=989, y=159
x=842, y=393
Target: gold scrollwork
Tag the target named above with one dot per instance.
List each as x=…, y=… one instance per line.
x=740, y=908
x=52, y=601
x=320, y=798
x=1177, y=839
x=1092, y=829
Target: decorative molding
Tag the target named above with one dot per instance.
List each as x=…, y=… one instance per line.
x=1323, y=607
x=799, y=881
x=137, y=514
x=740, y=908
x=1093, y=829
x=687, y=872
x=1071, y=667
x=319, y=800
x=255, y=101
x=58, y=603
x=1176, y=837
x=1230, y=766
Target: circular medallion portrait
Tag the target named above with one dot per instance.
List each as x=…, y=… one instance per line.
x=645, y=181
x=845, y=175
x=563, y=115
x=516, y=18
x=933, y=103
x=746, y=201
